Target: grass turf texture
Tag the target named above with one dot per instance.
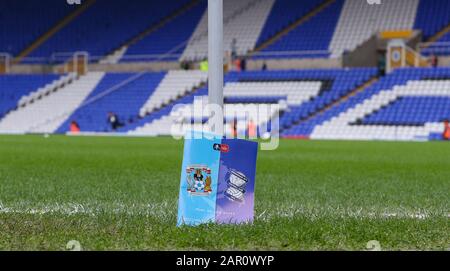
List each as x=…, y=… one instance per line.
x=122, y=193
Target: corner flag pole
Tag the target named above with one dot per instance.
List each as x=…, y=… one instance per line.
x=215, y=59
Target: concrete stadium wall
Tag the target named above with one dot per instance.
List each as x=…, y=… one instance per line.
x=135, y=67
x=31, y=69
x=444, y=61
x=366, y=54
x=121, y=67
x=273, y=64
x=287, y=64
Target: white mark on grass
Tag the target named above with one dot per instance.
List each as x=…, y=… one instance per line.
x=73, y=245
x=168, y=210
x=261, y=215
x=313, y=213
x=159, y=210
x=415, y=215
x=373, y=245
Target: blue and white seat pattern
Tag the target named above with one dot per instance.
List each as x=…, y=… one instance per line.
x=405, y=112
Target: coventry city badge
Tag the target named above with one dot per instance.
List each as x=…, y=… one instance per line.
x=198, y=178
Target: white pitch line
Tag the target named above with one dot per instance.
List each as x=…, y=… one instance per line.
x=166, y=209
x=159, y=210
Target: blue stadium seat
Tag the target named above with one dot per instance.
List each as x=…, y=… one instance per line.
x=336, y=83
x=107, y=25
x=22, y=22
x=125, y=101
x=171, y=39
x=411, y=111
x=397, y=78
x=314, y=35
x=432, y=16
x=285, y=12
x=13, y=87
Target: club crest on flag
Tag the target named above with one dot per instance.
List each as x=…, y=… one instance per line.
x=237, y=183
x=198, y=178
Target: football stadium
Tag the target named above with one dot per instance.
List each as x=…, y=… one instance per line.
x=97, y=95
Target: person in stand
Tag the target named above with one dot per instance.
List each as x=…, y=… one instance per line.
x=243, y=64
x=434, y=61
x=264, y=66
x=185, y=65
x=233, y=48
x=251, y=129
x=74, y=127
x=446, y=134
x=113, y=120
x=204, y=65
x=237, y=64
x=234, y=128
x=381, y=64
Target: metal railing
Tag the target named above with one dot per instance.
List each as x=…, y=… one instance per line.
x=59, y=58
x=63, y=57
x=293, y=54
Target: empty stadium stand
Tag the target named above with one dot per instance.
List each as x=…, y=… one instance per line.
x=368, y=115
x=132, y=97
x=243, y=21
x=121, y=93
x=48, y=89
x=408, y=104
x=414, y=110
x=106, y=26
x=359, y=21
x=296, y=93
x=309, y=39
x=160, y=121
x=22, y=22
x=284, y=13
x=331, y=103
x=16, y=89
x=186, y=116
x=169, y=41
x=340, y=83
x=432, y=16
x=441, y=47
x=47, y=114
x=177, y=29
x=175, y=84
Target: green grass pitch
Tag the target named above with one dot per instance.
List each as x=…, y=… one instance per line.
x=122, y=193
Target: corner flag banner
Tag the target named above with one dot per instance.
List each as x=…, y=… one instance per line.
x=217, y=181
